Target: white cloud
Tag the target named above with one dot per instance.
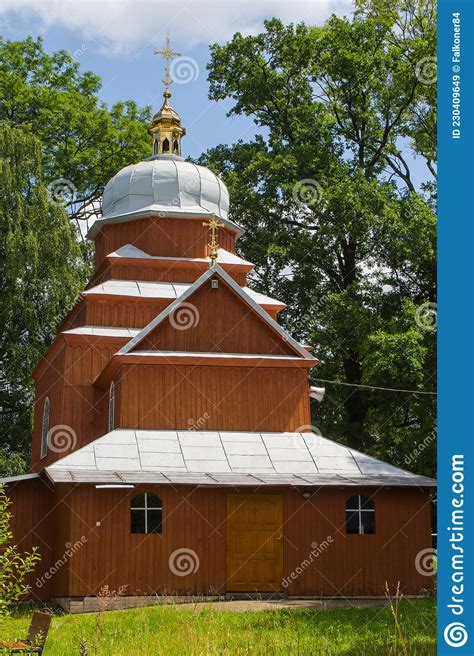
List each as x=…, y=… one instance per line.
x=121, y=27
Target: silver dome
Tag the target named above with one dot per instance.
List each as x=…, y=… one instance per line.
x=165, y=183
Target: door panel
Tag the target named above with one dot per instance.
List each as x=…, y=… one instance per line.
x=254, y=542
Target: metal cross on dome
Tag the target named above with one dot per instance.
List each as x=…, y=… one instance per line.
x=213, y=224
x=168, y=54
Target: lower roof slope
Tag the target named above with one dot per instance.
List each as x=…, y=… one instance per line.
x=225, y=458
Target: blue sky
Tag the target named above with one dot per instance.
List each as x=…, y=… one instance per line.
x=116, y=39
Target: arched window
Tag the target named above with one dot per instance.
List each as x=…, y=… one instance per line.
x=146, y=513
x=44, y=430
x=175, y=147
x=111, y=423
x=360, y=515
x=155, y=147
x=166, y=146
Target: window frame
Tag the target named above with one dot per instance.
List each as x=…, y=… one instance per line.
x=359, y=511
x=146, y=509
x=45, y=428
x=111, y=413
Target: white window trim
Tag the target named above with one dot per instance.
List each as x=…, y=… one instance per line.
x=359, y=510
x=45, y=429
x=147, y=510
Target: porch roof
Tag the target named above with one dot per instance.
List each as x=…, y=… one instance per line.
x=225, y=458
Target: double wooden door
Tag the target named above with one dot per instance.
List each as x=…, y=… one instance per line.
x=254, y=542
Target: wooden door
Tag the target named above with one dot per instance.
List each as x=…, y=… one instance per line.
x=254, y=542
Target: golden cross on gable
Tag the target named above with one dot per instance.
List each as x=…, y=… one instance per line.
x=168, y=54
x=213, y=224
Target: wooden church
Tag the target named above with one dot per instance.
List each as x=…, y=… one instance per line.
x=172, y=450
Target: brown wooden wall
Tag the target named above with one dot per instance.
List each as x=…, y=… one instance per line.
x=32, y=526
x=77, y=406
x=216, y=320
x=127, y=312
x=174, y=397
x=195, y=518
x=175, y=272
x=160, y=236
x=357, y=564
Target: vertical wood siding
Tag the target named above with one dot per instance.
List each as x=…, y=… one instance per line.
x=32, y=526
x=195, y=518
x=160, y=236
x=220, y=321
x=175, y=397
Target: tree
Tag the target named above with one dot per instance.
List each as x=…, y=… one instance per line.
x=41, y=275
x=14, y=566
x=335, y=223
x=84, y=142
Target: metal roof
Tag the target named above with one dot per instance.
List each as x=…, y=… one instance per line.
x=165, y=186
x=225, y=458
x=143, y=289
x=102, y=331
x=132, y=252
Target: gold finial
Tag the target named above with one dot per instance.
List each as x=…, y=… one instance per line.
x=166, y=128
x=213, y=225
x=168, y=54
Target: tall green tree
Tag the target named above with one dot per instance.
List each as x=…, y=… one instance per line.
x=84, y=141
x=42, y=272
x=335, y=222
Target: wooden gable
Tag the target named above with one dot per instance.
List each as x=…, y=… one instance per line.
x=214, y=319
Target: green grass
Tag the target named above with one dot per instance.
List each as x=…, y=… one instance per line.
x=188, y=631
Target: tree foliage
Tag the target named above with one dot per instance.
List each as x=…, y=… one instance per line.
x=335, y=222
x=42, y=273
x=14, y=566
x=84, y=142
x=55, y=136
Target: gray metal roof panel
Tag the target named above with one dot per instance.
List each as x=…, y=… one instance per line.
x=208, y=456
